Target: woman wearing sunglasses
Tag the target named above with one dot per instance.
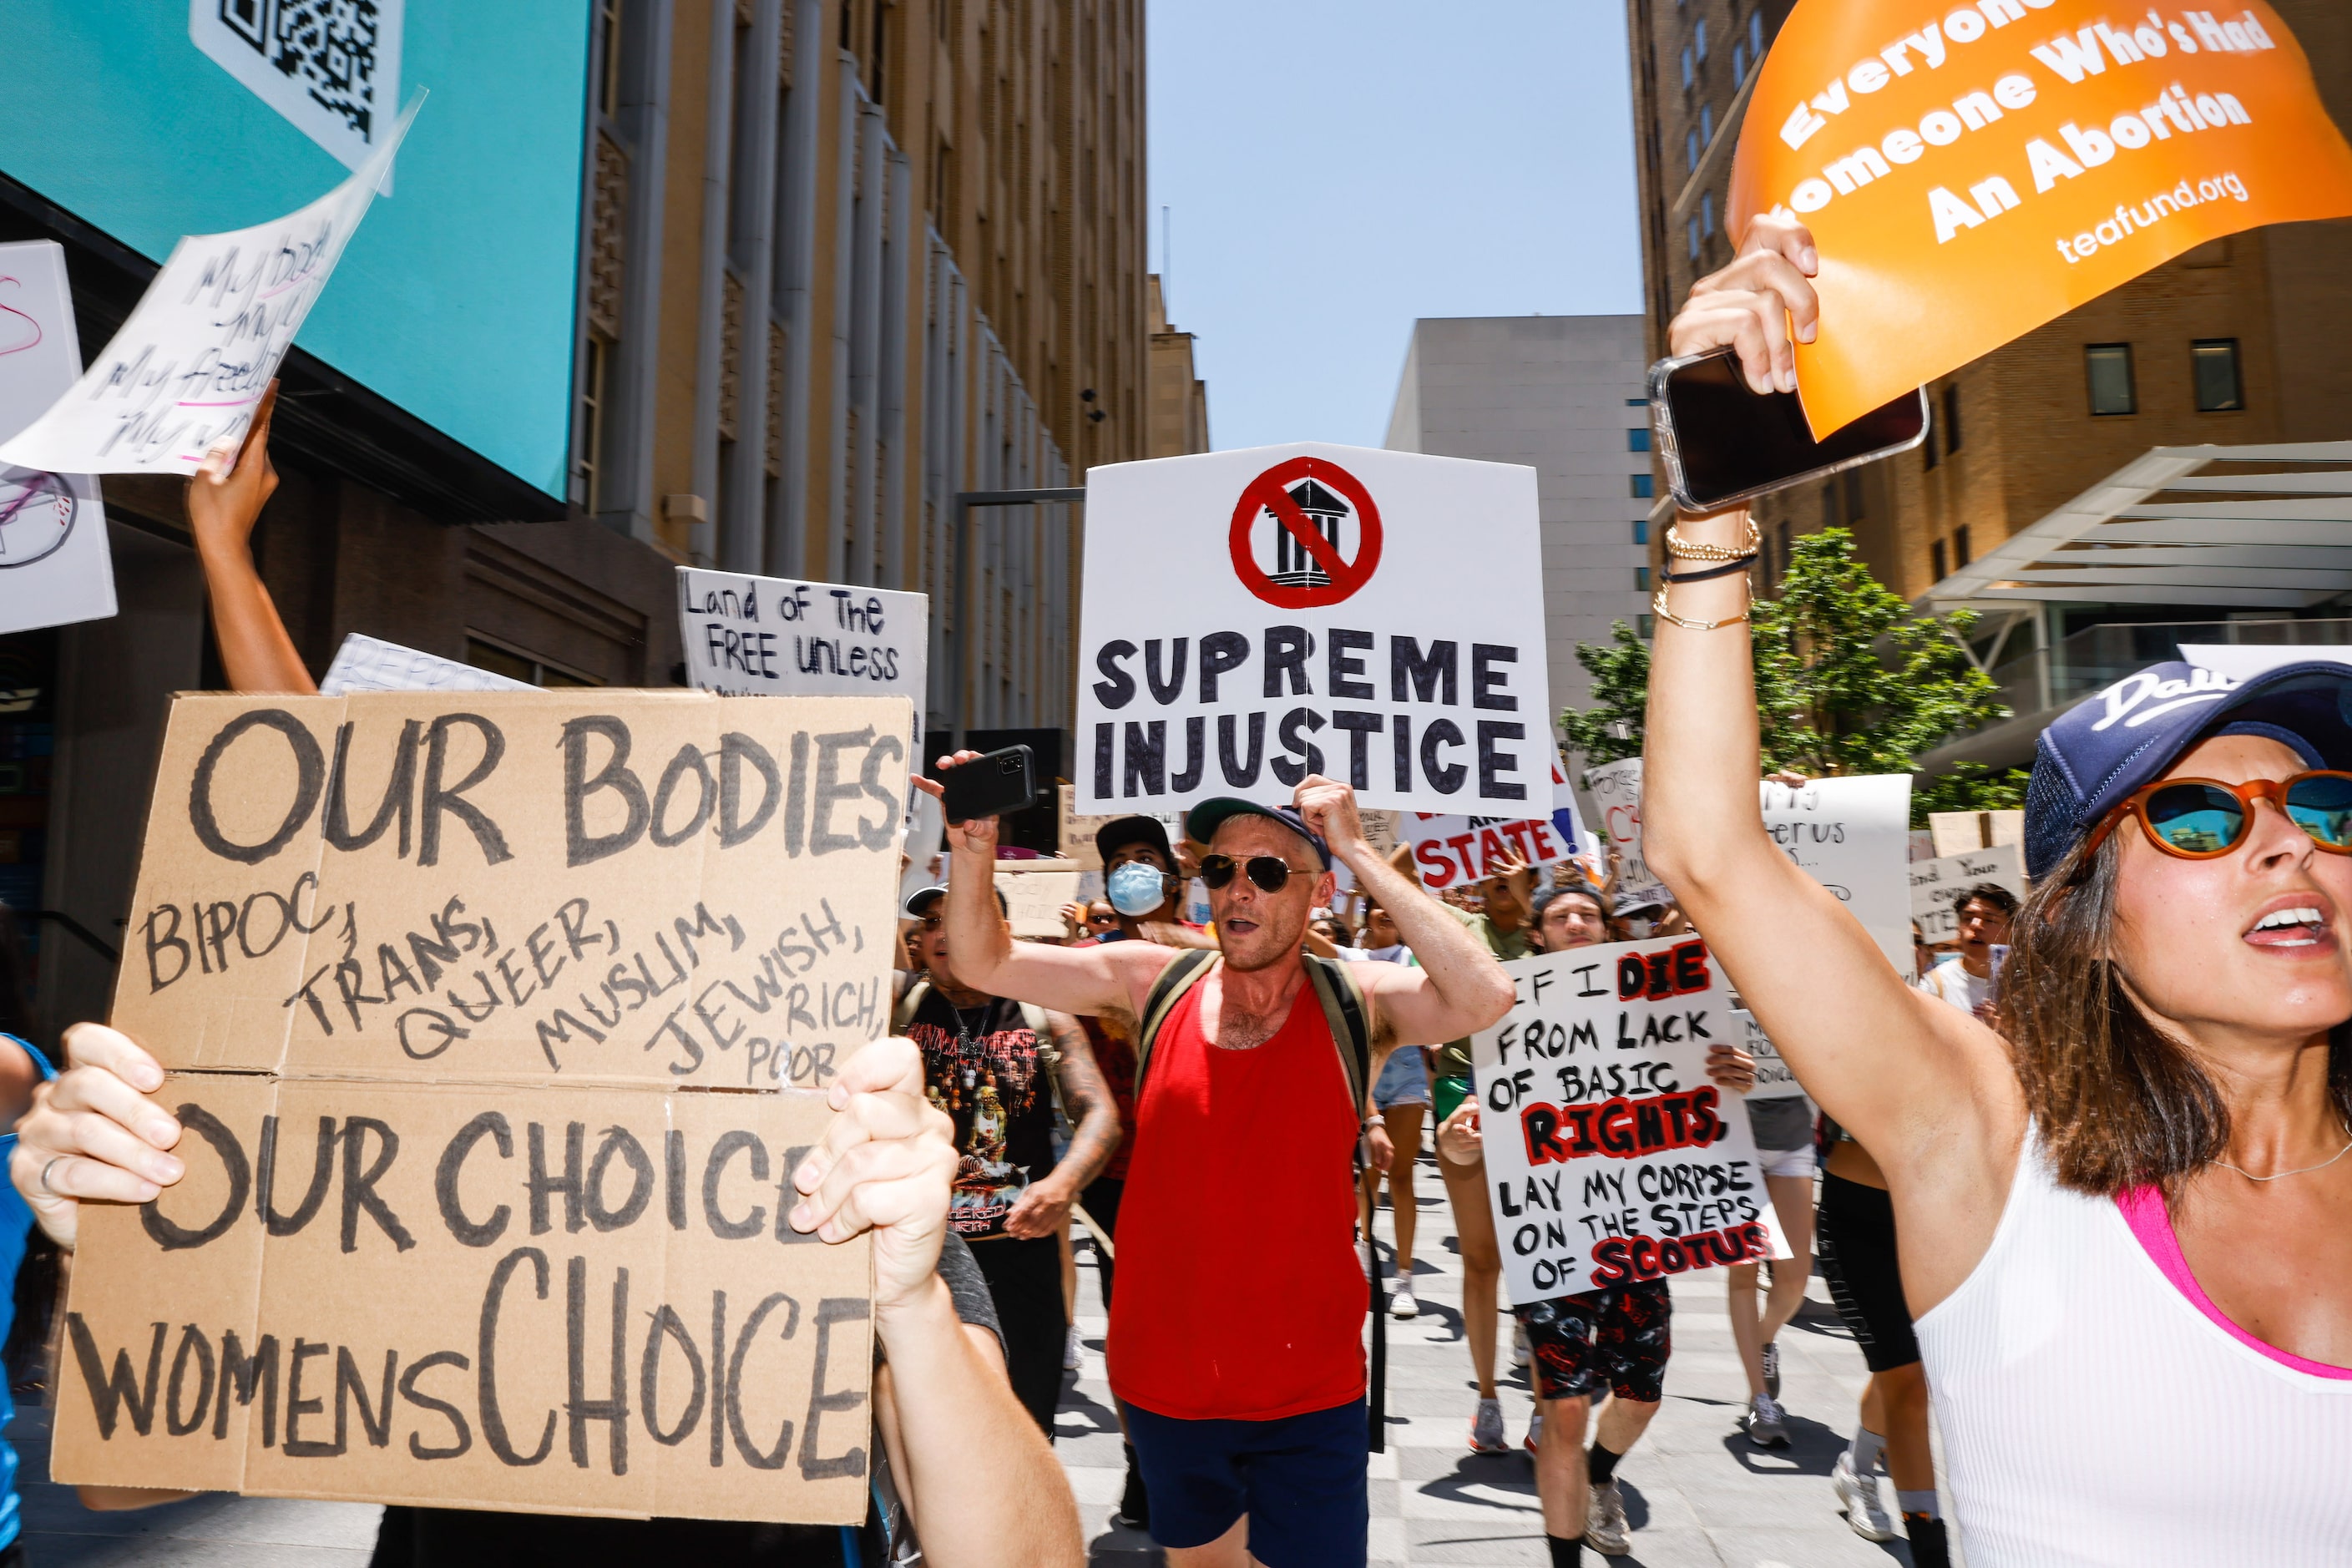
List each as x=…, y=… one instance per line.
x=2123, y=1232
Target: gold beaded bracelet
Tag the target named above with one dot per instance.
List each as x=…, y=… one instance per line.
x=1682, y=548
x=1658, y=603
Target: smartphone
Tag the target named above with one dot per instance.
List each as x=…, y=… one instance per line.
x=1724, y=444
x=997, y=784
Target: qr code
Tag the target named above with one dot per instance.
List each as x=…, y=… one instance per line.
x=328, y=48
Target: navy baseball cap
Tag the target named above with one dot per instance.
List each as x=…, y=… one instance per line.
x=1202, y=821
x=2105, y=747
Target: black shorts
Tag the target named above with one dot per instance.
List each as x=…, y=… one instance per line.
x=1855, y=1235
x=1025, y=1280
x=1616, y=1339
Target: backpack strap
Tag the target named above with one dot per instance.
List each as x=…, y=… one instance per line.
x=1342, y=997
x=1178, y=976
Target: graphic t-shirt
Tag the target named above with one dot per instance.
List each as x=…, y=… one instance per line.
x=1115, y=1055
x=982, y=1066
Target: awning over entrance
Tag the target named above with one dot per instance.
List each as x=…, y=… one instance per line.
x=2261, y=526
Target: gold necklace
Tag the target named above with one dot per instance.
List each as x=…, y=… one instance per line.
x=2298, y=1171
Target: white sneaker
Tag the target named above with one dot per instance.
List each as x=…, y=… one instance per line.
x=1765, y=1423
x=1486, y=1428
x=1072, y=1350
x=1400, y=1302
x=1605, y=1526
x=1859, y=1500
x=1535, y=1428
x=1520, y=1354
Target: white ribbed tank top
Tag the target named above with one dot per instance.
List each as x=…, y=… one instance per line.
x=2093, y=1414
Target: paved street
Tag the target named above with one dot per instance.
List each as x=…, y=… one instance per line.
x=1696, y=1493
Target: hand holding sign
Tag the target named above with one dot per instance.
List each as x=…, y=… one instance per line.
x=93, y=1134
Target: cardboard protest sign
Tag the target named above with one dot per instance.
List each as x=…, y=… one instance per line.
x=1972, y=171
x=479, y=968
x=1251, y=617
x=1962, y=832
x=1611, y=1155
x=1854, y=836
x=574, y=1301
x=1616, y=789
x=371, y=664
x=187, y=368
x=1775, y=1080
x=1450, y=849
x=54, y=567
x=579, y=885
x=1078, y=828
x=1034, y=893
x=1938, y=886
x=767, y=636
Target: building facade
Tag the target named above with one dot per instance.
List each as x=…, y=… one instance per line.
x=2230, y=344
x=1563, y=395
x=835, y=264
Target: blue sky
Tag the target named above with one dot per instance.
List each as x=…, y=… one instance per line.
x=1338, y=168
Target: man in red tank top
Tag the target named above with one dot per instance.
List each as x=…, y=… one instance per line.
x=1249, y=1425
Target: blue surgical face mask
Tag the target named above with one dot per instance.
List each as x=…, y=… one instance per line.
x=1136, y=888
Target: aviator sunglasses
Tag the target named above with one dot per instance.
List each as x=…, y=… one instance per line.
x=1268, y=871
x=2199, y=819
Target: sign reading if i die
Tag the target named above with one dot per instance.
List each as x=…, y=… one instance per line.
x=1373, y=616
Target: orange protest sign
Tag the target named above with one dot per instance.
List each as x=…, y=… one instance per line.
x=1969, y=172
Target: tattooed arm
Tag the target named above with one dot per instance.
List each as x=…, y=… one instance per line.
x=1094, y=1134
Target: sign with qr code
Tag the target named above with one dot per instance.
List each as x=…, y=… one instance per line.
x=331, y=67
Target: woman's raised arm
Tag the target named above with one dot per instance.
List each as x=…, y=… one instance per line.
x=1887, y=1062
x=225, y=500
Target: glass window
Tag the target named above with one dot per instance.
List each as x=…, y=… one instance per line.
x=1706, y=123
x=1645, y=626
x=1641, y=530
x=1739, y=60
x=1951, y=416
x=2109, y=369
x=1690, y=148
x=522, y=667
x=1960, y=556
x=1699, y=37
x=1927, y=458
x=1755, y=35
x=1637, y=403
x=1706, y=213
x=1641, y=579
x=1642, y=486
x=1936, y=559
x=1686, y=67
x=2215, y=364
x=1638, y=440
x=1694, y=239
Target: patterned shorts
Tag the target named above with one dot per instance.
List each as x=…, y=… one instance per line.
x=1617, y=1338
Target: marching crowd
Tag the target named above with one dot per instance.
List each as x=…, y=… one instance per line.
x=2080, y=1190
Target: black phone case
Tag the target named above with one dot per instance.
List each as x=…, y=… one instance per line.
x=996, y=784
x=1777, y=417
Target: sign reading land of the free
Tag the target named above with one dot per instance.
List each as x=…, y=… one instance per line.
x=1252, y=618
x=1610, y=1154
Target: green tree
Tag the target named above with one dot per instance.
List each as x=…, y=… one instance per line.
x=1848, y=680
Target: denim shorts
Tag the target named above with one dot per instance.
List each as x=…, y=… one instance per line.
x=1403, y=1081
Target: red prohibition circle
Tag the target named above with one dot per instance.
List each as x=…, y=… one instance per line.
x=1269, y=492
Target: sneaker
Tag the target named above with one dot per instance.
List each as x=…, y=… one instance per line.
x=1535, y=1429
x=1858, y=1499
x=1400, y=1302
x=1772, y=1370
x=1520, y=1354
x=1764, y=1423
x=1486, y=1428
x=1072, y=1350
x=1606, y=1527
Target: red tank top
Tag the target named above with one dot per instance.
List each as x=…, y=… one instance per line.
x=1244, y=1296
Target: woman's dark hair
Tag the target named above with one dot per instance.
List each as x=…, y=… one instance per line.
x=1990, y=894
x=2118, y=1101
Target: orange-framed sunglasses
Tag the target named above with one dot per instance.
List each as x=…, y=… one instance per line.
x=2202, y=819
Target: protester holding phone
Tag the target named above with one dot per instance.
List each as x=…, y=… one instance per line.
x=2141, y=1191
x=1250, y=1426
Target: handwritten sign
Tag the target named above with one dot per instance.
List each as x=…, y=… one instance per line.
x=1078, y=828
x=54, y=567
x=1852, y=835
x=1034, y=893
x=1775, y=1080
x=198, y=351
x=1938, y=886
x=1450, y=849
x=371, y=664
x=1972, y=172
x=764, y=637
x=1611, y=1155
x=1308, y=612
x=1616, y=789
x=435, y=974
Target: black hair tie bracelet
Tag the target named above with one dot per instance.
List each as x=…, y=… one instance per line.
x=1669, y=574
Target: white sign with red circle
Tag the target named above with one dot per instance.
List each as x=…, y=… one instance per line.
x=1249, y=619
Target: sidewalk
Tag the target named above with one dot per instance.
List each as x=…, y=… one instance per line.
x=1695, y=1491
